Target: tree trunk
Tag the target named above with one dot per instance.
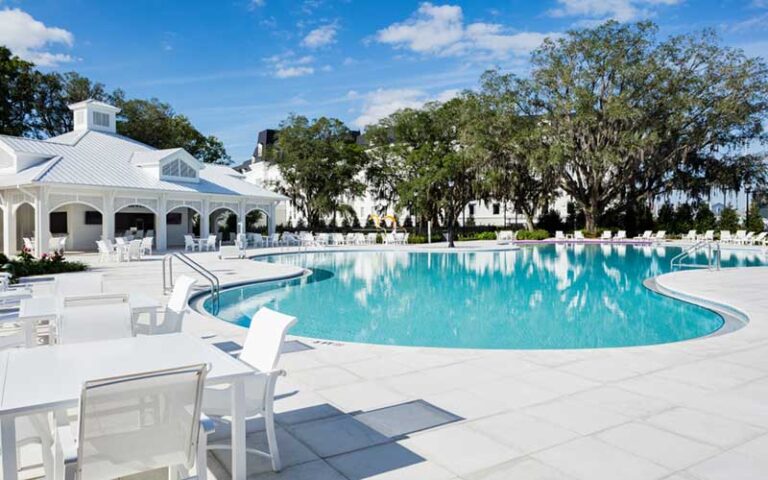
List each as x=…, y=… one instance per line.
x=529, y=222
x=589, y=219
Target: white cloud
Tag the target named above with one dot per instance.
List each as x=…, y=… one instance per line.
x=30, y=39
x=254, y=4
x=440, y=30
x=621, y=10
x=288, y=65
x=382, y=102
x=289, y=72
x=321, y=36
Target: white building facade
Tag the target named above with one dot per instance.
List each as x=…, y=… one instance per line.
x=92, y=183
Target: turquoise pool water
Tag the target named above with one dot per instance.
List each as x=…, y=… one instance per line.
x=546, y=296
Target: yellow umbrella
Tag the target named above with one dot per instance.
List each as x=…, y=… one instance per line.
x=392, y=219
x=376, y=220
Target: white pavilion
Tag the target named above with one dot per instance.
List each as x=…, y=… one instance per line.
x=92, y=183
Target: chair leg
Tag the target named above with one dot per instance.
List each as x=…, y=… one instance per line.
x=201, y=462
x=274, y=454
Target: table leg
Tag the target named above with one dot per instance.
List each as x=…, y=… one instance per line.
x=8, y=439
x=238, y=430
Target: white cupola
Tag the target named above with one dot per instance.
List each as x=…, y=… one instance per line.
x=94, y=115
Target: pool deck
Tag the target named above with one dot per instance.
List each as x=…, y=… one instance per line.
x=689, y=410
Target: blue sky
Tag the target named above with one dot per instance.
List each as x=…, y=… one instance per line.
x=238, y=66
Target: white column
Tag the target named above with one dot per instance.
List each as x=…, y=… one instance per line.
x=161, y=228
x=271, y=214
x=205, y=228
x=108, y=217
x=42, y=230
x=9, y=230
x=241, y=217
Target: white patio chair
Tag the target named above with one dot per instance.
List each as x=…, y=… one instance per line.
x=136, y=423
x=68, y=284
x=405, y=238
x=177, y=307
x=337, y=239
x=578, y=235
x=210, y=243
x=149, y=233
x=725, y=236
x=261, y=351
x=607, y=235
x=559, y=235
x=120, y=241
x=747, y=240
x=29, y=245
x=241, y=241
x=740, y=236
x=322, y=239
x=660, y=235
x=274, y=240
x=105, y=253
x=189, y=243
x=620, y=235
x=256, y=239
x=108, y=319
x=709, y=235
x=146, y=246
x=139, y=234
x=11, y=331
x=370, y=239
x=134, y=250
x=691, y=236
x=645, y=236
x=389, y=239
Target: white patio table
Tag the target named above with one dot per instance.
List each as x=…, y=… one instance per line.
x=47, y=308
x=50, y=378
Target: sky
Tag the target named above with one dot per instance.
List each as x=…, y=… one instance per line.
x=236, y=67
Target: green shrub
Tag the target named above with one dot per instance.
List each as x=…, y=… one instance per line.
x=25, y=265
x=477, y=236
x=597, y=233
x=729, y=219
x=532, y=235
x=755, y=221
x=417, y=239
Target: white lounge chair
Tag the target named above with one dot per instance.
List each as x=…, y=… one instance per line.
x=370, y=239
x=620, y=235
x=759, y=239
x=645, y=236
x=747, y=240
x=607, y=235
x=725, y=236
x=691, y=236
x=578, y=235
x=740, y=236
x=559, y=235
x=261, y=350
x=660, y=236
x=134, y=424
x=708, y=235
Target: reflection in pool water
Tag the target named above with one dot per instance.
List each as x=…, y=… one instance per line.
x=547, y=296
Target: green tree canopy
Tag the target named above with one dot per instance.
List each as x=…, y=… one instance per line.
x=17, y=94
x=625, y=112
x=320, y=163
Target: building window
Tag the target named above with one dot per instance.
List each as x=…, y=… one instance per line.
x=57, y=223
x=471, y=209
x=101, y=119
x=496, y=208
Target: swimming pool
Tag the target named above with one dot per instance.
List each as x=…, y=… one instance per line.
x=544, y=296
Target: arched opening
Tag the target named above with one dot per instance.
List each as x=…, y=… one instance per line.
x=181, y=221
x=256, y=221
x=135, y=221
x=223, y=224
x=80, y=222
x=25, y=224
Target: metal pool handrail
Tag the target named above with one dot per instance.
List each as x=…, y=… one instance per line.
x=713, y=262
x=202, y=271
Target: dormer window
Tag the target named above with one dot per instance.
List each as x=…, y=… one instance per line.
x=179, y=169
x=101, y=119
